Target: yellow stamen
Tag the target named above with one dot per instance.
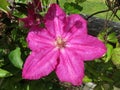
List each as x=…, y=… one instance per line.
x=60, y=43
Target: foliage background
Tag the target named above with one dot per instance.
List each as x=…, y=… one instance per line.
x=104, y=72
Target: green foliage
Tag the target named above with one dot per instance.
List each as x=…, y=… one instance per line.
x=103, y=87
x=112, y=37
x=4, y=6
x=72, y=8
x=116, y=57
x=4, y=73
x=104, y=72
x=112, y=60
x=80, y=1
x=109, y=52
x=86, y=79
x=15, y=58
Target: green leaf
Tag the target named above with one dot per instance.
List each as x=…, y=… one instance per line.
x=116, y=57
x=107, y=87
x=86, y=79
x=80, y=1
x=4, y=6
x=106, y=79
x=72, y=8
x=46, y=2
x=18, y=14
x=4, y=73
x=101, y=36
x=109, y=52
x=15, y=58
x=112, y=37
x=23, y=1
x=116, y=77
x=98, y=87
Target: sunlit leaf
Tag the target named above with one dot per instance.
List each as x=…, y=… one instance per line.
x=101, y=36
x=18, y=14
x=112, y=37
x=109, y=52
x=15, y=58
x=4, y=73
x=22, y=1
x=86, y=79
x=116, y=57
x=4, y=6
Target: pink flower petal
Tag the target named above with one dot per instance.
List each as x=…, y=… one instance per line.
x=28, y=21
x=54, y=20
x=39, y=64
x=75, y=26
x=89, y=48
x=78, y=21
x=39, y=39
x=70, y=68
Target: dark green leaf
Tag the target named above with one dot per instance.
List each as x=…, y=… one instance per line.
x=72, y=8
x=107, y=87
x=98, y=87
x=106, y=79
x=4, y=73
x=15, y=58
x=80, y=1
x=116, y=77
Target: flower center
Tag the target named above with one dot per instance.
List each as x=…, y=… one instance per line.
x=60, y=42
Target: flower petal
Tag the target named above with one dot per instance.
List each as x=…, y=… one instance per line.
x=39, y=39
x=54, y=20
x=75, y=26
x=32, y=18
x=70, y=68
x=28, y=21
x=39, y=64
x=89, y=48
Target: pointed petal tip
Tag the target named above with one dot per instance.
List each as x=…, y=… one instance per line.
x=28, y=77
x=54, y=5
x=75, y=81
x=54, y=11
x=70, y=68
x=39, y=64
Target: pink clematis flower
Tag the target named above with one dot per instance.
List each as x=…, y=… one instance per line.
x=62, y=46
x=33, y=18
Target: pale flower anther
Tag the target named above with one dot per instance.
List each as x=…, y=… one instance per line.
x=60, y=42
